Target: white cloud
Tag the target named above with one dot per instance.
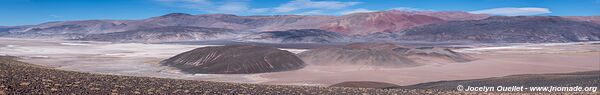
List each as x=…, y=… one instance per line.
x=259, y=10
x=308, y=4
x=195, y=1
x=359, y=10
x=227, y=7
x=232, y=7
x=312, y=12
x=56, y=16
x=192, y=4
x=303, y=7
x=510, y=11
x=187, y=3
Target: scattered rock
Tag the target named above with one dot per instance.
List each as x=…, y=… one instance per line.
x=364, y=84
x=94, y=88
x=53, y=89
x=24, y=83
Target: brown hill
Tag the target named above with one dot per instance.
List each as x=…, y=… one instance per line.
x=382, y=54
x=357, y=54
x=434, y=54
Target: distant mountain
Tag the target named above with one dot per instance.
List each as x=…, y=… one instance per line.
x=391, y=25
x=168, y=33
x=240, y=23
x=448, y=15
x=234, y=59
x=364, y=22
x=296, y=36
x=79, y=27
x=593, y=19
x=372, y=22
x=393, y=21
x=67, y=29
x=4, y=29
x=503, y=29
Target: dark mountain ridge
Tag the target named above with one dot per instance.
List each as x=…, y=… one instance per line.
x=296, y=36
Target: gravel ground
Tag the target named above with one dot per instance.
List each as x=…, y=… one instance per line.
x=582, y=79
x=18, y=78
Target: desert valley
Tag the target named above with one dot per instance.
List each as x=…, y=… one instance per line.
x=138, y=59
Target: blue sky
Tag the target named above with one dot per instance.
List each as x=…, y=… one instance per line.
x=27, y=12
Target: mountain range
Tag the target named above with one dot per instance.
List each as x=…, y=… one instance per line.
x=167, y=33
x=391, y=25
x=503, y=29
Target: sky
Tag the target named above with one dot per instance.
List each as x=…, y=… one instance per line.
x=31, y=12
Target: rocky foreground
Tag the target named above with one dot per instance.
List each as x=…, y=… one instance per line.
x=23, y=78
x=583, y=79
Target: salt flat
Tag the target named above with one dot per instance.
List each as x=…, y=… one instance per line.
x=138, y=59
x=132, y=59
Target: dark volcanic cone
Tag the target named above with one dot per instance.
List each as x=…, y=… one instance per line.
x=234, y=59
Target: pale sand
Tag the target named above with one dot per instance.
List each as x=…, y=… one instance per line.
x=486, y=66
x=492, y=62
x=136, y=59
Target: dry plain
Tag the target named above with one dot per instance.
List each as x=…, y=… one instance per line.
x=138, y=59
